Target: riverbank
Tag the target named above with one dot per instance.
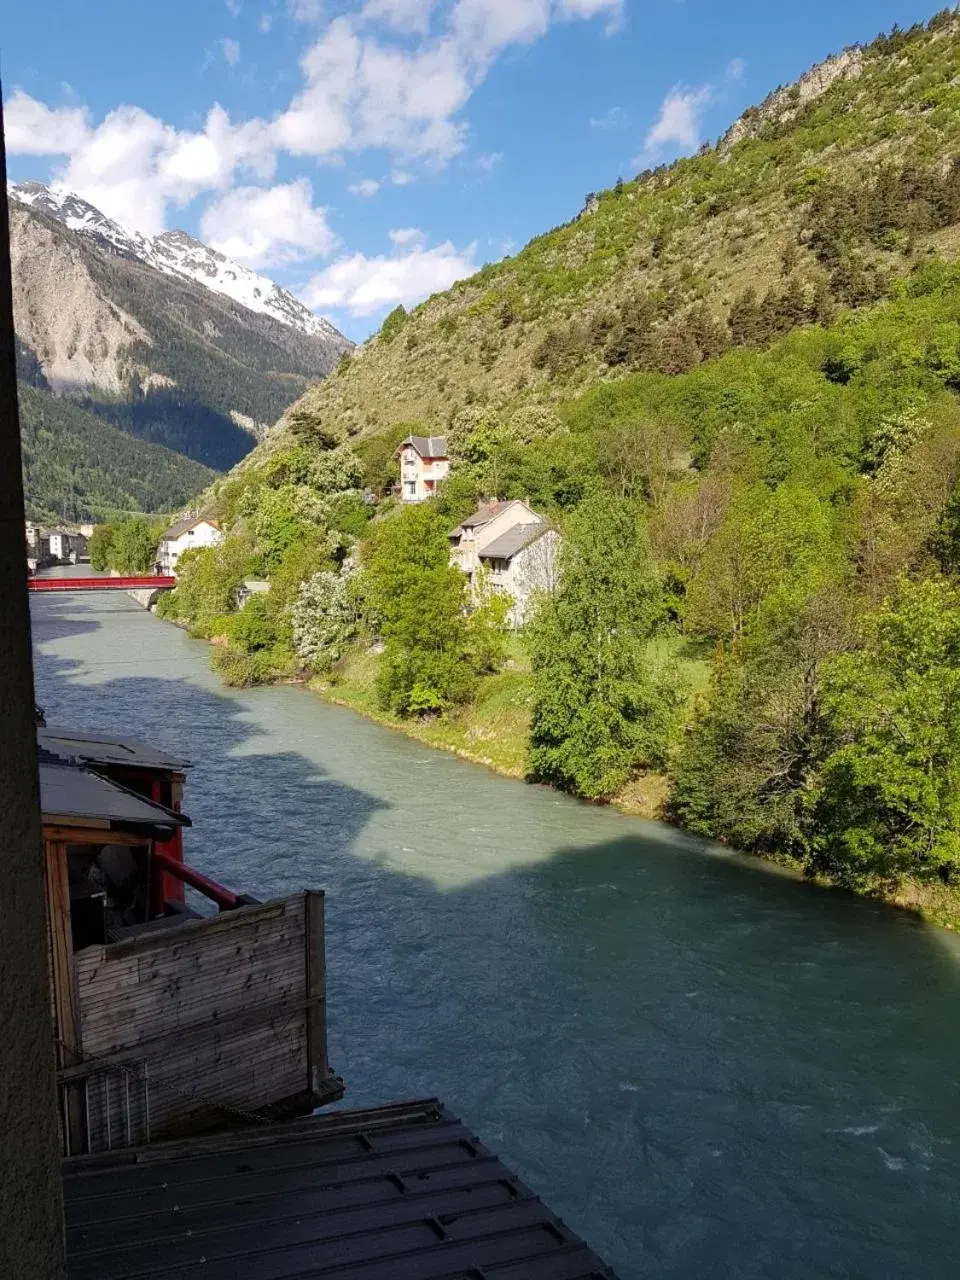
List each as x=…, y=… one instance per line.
x=493, y=731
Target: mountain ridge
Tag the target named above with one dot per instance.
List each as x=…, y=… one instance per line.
x=174, y=253
x=674, y=252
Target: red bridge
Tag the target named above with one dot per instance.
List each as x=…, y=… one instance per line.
x=158, y=582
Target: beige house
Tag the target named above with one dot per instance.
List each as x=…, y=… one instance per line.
x=423, y=464
x=508, y=547
x=195, y=531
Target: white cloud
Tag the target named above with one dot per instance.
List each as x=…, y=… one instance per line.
x=678, y=125
x=489, y=160
x=132, y=165
x=363, y=285
x=411, y=17
x=735, y=69
x=305, y=10
x=403, y=236
x=365, y=187
x=611, y=119
x=31, y=128
x=234, y=6
x=267, y=227
x=363, y=88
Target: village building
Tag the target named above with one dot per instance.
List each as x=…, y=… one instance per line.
x=423, y=464
x=185, y=535
x=510, y=548
x=67, y=546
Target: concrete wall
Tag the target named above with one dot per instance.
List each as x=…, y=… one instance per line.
x=31, y=1211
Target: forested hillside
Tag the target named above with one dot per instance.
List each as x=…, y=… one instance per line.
x=735, y=389
x=78, y=468
x=816, y=198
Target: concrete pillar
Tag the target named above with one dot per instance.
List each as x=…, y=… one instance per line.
x=31, y=1207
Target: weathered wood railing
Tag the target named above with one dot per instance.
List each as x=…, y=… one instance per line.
x=227, y=1014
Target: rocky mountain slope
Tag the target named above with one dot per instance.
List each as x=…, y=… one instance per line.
x=177, y=254
x=819, y=197
x=150, y=337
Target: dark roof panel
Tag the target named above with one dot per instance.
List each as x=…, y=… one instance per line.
x=402, y=1192
x=426, y=446
x=71, y=744
x=514, y=540
x=67, y=791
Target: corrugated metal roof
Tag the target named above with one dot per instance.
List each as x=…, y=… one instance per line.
x=402, y=1192
x=514, y=540
x=72, y=744
x=67, y=791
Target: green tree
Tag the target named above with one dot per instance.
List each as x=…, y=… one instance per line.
x=773, y=550
x=254, y=628
x=889, y=805
x=750, y=762
x=207, y=582
x=134, y=545
x=100, y=546
x=600, y=711
x=415, y=599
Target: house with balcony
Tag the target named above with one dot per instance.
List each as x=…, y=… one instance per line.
x=185, y=535
x=510, y=548
x=424, y=462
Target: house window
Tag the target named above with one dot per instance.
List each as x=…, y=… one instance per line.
x=410, y=486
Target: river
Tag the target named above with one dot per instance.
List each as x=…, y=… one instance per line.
x=707, y=1068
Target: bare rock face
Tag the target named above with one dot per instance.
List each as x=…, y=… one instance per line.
x=80, y=339
x=165, y=337
x=783, y=104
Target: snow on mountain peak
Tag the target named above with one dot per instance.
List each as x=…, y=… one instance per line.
x=176, y=253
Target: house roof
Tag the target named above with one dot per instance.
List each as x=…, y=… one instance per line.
x=514, y=540
x=483, y=515
x=68, y=792
x=426, y=446
x=182, y=526
x=75, y=747
x=397, y=1192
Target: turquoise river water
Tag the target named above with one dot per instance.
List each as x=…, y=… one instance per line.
x=707, y=1068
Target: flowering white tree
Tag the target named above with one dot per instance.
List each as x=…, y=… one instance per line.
x=324, y=619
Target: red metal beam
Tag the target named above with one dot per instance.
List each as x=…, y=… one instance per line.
x=155, y=583
x=224, y=899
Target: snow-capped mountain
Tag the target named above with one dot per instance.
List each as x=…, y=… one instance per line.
x=176, y=254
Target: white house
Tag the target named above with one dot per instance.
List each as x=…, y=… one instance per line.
x=423, y=464
x=67, y=546
x=514, y=547
x=195, y=531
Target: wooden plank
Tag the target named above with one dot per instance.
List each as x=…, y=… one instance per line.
x=65, y=998
x=316, y=990
x=228, y=1012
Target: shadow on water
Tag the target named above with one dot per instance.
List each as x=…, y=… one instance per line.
x=708, y=1069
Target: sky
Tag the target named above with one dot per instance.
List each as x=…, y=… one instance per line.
x=370, y=152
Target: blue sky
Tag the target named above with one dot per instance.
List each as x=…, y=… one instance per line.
x=370, y=153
